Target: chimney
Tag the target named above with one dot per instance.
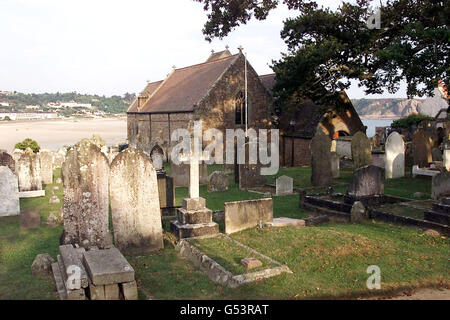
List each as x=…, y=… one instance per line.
x=141, y=100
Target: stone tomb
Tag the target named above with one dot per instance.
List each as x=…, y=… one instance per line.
x=9, y=191
x=440, y=186
x=46, y=163
x=242, y=215
x=440, y=212
x=321, y=159
x=361, y=150
x=135, y=209
x=28, y=170
x=284, y=185
x=394, y=156
x=367, y=181
x=217, y=181
x=8, y=161
x=103, y=275
x=86, y=199
x=180, y=174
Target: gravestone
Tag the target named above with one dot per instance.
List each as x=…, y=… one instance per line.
x=59, y=157
x=241, y=215
x=358, y=212
x=440, y=185
x=394, y=156
x=46, y=163
x=157, y=156
x=194, y=219
x=135, y=208
x=8, y=161
x=249, y=173
x=446, y=159
x=375, y=141
x=180, y=174
x=421, y=149
x=381, y=133
x=86, y=200
x=335, y=165
x=218, y=181
x=436, y=154
x=30, y=219
x=16, y=155
x=29, y=171
x=284, y=185
x=367, y=181
x=166, y=190
x=321, y=159
x=361, y=150
x=9, y=191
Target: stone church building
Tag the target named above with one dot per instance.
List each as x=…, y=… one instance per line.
x=213, y=91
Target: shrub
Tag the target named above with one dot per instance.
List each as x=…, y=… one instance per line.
x=28, y=143
x=409, y=121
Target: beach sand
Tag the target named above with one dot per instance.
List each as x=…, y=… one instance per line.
x=54, y=134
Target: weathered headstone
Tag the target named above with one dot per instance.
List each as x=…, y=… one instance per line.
x=194, y=219
x=284, y=185
x=394, y=156
x=376, y=142
x=28, y=170
x=381, y=133
x=436, y=154
x=249, y=173
x=421, y=148
x=358, y=212
x=361, y=150
x=218, y=181
x=59, y=158
x=321, y=159
x=241, y=215
x=166, y=190
x=440, y=186
x=367, y=181
x=157, y=156
x=135, y=208
x=335, y=164
x=8, y=161
x=446, y=159
x=46, y=163
x=86, y=201
x=9, y=191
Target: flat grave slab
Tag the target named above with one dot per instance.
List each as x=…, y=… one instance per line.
x=108, y=267
x=287, y=222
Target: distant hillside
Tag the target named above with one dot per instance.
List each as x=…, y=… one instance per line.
x=386, y=108
x=18, y=101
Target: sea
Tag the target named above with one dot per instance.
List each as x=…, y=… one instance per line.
x=371, y=124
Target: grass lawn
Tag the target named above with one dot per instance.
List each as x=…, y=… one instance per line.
x=328, y=261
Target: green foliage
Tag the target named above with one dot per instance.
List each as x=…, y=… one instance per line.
x=327, y=49
x=114, y=104
x=409, y=121
x=28, y=143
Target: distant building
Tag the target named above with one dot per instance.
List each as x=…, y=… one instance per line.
x=32, y=107
x=28, y=115
x=4, y=104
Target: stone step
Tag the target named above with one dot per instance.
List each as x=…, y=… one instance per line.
x=60, y=287
x=74, y=257
x=441, y=218
x=442, y=208
x=182, y=231
x=194, y=217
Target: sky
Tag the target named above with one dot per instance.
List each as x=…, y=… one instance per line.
x=109, y=47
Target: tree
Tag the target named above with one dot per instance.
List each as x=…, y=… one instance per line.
x=28, y=143
x=327, y=49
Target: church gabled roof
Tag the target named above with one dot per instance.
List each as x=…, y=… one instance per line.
x=219, y=55
x=183, y=88
x=268, y=80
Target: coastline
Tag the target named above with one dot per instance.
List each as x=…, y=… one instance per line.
x=55, y=133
